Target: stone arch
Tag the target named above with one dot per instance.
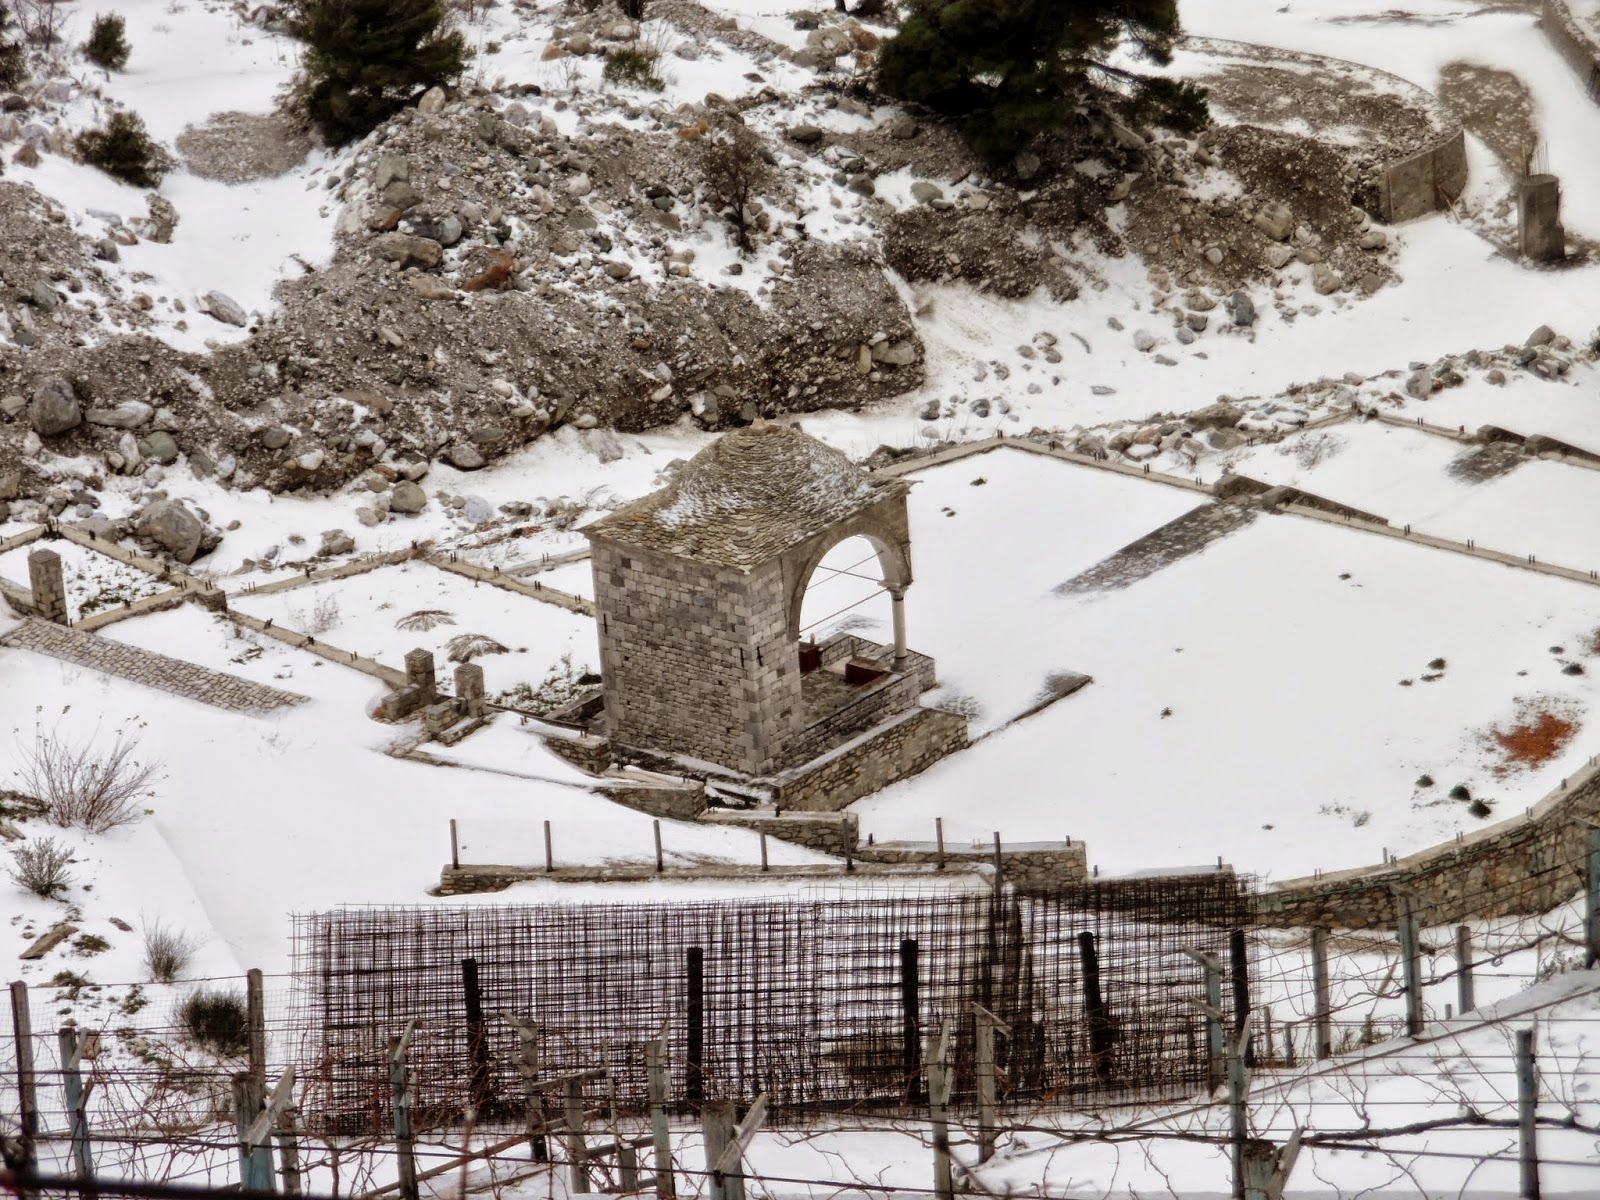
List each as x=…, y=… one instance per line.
x=887, y=538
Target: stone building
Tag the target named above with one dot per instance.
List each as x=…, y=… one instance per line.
x=698, y=591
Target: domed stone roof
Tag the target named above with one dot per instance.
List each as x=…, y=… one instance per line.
x=746, y=498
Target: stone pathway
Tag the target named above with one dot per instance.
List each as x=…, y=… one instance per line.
x=146, y=667
x=1174, y=541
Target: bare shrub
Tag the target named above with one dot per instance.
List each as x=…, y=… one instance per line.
x=40, y=866
x=324, y=615
x=734, y=171
x=465, y=647
x=217, y=1021
x=40, y=21
x=167, y=951
x=86, y=786
x=424, y=619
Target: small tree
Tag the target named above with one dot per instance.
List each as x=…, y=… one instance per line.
x=365, y=59
x=1010, y=70
x=13, y=58
x=108, y=42
x=734, y=171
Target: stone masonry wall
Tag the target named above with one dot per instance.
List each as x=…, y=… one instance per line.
x=1525, y=865
x=694, y=659
x=829, y=833
x=1030, y=867
x=1579, y=48
x=906, y=746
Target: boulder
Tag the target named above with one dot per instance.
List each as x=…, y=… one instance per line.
x=54, y=408
x=173, y=527
x=895, y=354
x=392, y=168
x=806, y=135
x=408, y=251
x=464, y=456
x=1541, y=336
x=924, y=192
x=1242, y=309
x=224, y=308
x=432, y=101
x=407, y=498
x=1144, y=341
x=160, y=447
x=130, y=414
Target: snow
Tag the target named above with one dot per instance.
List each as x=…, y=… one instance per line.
x=1277, y=649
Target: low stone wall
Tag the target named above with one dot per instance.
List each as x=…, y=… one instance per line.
x=825, y=832
x=468, y=880
x=1525, y=865
x=1030, y=866
x=684, y=801
x=1577, y=45
x=591, y=754
x=1425, y=182
x=902, y=747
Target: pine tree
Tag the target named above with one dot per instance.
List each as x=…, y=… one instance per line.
x=13, y=59
x=365, y=59
x=1010, y=70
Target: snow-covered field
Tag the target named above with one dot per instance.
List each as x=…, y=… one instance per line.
x=1268, y=700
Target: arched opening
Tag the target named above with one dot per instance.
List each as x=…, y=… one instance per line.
x=846, y=593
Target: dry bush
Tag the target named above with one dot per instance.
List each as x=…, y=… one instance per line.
x=217, y=1021
x=465, y=647
x=734, y=171
x=167, y=951
x=40, y=866
x=87, y=786
x=424, y=619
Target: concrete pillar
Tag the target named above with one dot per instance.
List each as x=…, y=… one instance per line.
x=419, y=674
x=49, y=586
x=899, y=597
x=1539, y=219
x=469, y=690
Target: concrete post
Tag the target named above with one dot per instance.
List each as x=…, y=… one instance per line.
x=419, y=674
x=899, y=597
x=49, y=587
x=1541, y=237
x=469, y=690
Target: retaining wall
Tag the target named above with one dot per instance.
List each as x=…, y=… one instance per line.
x=1572, y=41
x=1425, y=182
x=902, y=747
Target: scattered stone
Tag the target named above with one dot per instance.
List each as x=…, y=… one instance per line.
x=1325, y=279
x=1242, y=309
x=1144, y=341
x=924, y=192
x=408, y=251
x=806, y=135
x=432, y=102
x=464, y=456
x=1373, y=239
x=275, y=438
x=1541, y=336
x=160, y=447
x=1275, y=220
x=337, y=541
x=1277, y=256
x=1419, y=384
x=130, y=414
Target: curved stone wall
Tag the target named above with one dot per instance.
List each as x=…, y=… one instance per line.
x=1577, y=45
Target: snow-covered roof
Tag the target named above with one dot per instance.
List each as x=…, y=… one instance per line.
x=746, y=498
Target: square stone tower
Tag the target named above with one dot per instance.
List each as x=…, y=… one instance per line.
x=698, y=591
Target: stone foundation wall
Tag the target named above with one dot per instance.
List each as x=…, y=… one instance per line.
x=686, y=802
x=1030, y=866
x=589, y=754
x=1571, y=40
x=1517, y=867
x=1413, y=186
x=827, y=833
x=905, y=746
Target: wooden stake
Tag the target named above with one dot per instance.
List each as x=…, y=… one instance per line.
x=71, y=1044
x=255, y=1159
x=27, y=1081
x=400, y=1097
x=477, y=1035
x=986, y=1024
x=716, y=1123
x=660, y=858
x=1239, y=968
x=728, y=1166
x=572, y=1136
x=1465, y=1000
x=694, y=1087
x=1527, y=1104
x=1238, y=1089
x=1411, y=963
x=256, y=1008
x=1322, y=999
x=549, y=853
x=455, y=847
x=763, y=851
x=532, y=1092
x=935, y=1055
x=1101, y=1035
x=910, y=1021
x=289, y=1151
x=938, y=834
x=1592, y=900
x=655, y=1057
x=1216, y=1050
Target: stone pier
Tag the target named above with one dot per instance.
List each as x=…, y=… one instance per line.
x=1541, y=237
x=49, y=586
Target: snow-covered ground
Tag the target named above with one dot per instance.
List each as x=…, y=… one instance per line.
x=1268, y=700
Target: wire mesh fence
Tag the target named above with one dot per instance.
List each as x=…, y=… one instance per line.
x=821, y=1004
